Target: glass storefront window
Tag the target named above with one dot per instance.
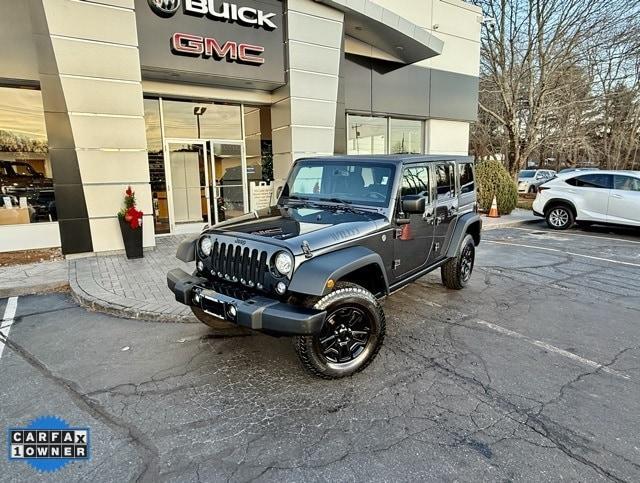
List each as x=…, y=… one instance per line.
x=406, y=136
x=367, y=135
x=198, y=160
x=26, y=184
x=382, y=135
x=201, y=120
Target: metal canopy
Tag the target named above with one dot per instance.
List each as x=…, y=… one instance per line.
x=389, y=32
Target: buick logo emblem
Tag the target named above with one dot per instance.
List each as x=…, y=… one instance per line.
x=165, y=8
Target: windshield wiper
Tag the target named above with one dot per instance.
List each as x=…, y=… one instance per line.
x=336, y=200
x=346, y=205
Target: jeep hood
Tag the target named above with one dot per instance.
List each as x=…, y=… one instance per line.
x=290, y=226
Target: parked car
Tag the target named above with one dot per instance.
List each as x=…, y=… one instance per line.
x=529, y=180
x=610, y=197
x=345, y=233
x=19, y=179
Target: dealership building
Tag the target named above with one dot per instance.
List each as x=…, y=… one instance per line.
x=201, y=106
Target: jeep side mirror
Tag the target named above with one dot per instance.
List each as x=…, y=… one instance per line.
x=415, y=204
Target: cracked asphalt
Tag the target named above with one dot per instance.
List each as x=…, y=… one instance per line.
x=531, y=373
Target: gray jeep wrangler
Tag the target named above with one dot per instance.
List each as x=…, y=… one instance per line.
x=345, y=233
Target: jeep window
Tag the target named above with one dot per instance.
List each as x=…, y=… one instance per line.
x=528, y=173
x=359, y=183
x=467, y=184
x=415, y=180
x=445, y=180
x=603, y=181
x=627, y=183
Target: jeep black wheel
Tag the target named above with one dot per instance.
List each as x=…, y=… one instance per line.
x=559, y=217
x=351, y=336
x=456, y=272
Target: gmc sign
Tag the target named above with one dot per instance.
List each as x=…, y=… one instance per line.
x=208, y=47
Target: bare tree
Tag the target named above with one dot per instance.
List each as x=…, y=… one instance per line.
x=532, y=55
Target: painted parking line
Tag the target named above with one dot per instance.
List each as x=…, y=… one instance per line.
x=538, y=343
x=551, y=348
x=570, y=233
x=547, y=249
x=7, y=321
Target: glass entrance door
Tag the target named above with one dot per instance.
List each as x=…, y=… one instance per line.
x=188, y=186
x=228, y=174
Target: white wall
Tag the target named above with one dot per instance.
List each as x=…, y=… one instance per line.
x=29, y=236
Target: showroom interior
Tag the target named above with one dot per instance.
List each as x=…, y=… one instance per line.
x=202, y=107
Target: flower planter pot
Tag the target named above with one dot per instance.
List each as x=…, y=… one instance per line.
x=132, y=239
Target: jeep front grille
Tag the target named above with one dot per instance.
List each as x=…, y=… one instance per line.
x=239, y=264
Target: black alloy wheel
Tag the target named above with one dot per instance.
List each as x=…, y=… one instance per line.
x=456, y=272
x=351, y=336
x=467, y=258
x=345, y=334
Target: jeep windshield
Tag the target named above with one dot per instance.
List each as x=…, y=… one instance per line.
x=361, y=183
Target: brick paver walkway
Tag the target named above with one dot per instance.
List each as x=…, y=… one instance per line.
x=132, y=288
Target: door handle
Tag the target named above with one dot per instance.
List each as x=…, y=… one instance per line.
x=619, y=197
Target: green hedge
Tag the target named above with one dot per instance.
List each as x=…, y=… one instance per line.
x=493, y=179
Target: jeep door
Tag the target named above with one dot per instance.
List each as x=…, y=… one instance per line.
x=624, y=200
x=446, y=208
x=413, y=241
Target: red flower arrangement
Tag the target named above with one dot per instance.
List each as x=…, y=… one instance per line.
x=129, y=213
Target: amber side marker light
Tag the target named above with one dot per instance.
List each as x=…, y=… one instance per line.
x=331, y=283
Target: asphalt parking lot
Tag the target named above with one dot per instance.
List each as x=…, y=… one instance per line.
x=531, y=373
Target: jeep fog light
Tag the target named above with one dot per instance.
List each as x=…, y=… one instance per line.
x=284, y=263
x=232, y=312
x=205, y=246
x=281, y=288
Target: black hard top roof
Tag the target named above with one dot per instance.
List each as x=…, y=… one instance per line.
x=390, y=158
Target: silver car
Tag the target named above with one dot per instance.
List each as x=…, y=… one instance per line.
x=529, y=180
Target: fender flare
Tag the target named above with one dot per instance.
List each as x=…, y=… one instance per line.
x=186, y=251
x=462, y=228
x=312, y=276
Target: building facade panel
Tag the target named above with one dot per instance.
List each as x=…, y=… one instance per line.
x=192, y=108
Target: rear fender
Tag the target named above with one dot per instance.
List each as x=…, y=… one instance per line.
x=467, y=223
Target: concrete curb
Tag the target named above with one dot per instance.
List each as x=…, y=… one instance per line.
x=35, y=289
x=506, y=224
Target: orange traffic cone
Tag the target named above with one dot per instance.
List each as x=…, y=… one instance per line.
x=493, y=212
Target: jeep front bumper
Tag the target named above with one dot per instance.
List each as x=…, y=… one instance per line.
x=256, y=312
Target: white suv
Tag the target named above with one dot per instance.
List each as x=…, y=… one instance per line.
x=530, y=180
x=611, y=197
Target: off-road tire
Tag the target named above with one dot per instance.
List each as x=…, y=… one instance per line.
x=559, y=217
x=532, y=189
x=453, y=272
x=219, y=326
x=344, y=295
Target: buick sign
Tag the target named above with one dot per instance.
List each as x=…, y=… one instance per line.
x=164, y=8
x=226, y=12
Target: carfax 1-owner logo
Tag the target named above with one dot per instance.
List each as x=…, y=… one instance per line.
x=48, y=444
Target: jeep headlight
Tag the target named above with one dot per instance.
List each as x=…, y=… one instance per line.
x=205, y=246
x=283, y=263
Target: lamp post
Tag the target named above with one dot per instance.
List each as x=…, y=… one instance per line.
x=199, y=111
